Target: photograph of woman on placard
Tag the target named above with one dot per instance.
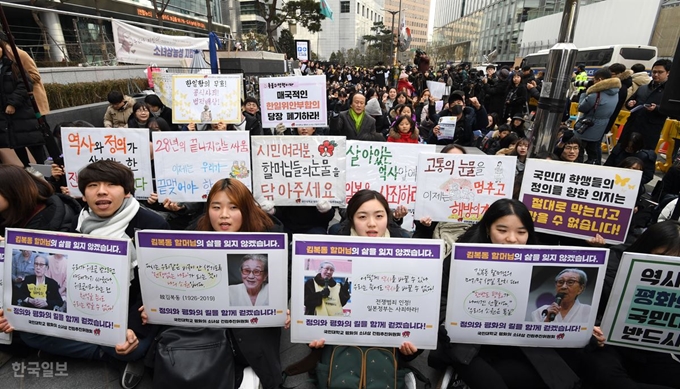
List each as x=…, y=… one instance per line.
x=325, y=294
x=568, y=302
x=252, y=288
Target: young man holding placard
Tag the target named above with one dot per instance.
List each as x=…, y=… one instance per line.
x=112, y=211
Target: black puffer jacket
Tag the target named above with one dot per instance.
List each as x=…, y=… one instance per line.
x=59, y=214
x=21, y=128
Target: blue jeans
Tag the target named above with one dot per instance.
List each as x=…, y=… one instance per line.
x=81, y=350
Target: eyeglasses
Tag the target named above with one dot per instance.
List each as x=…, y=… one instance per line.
x=247, y=272
x=569, y=283
x=39, y=264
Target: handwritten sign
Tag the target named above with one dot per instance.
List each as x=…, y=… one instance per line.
x=389, y=168
x=90, y=304
x=380, y=292
x=460, y=188
x=299, y=170
x=500, y=294
x=210, y=98
x=580, y=200
x=162, y=85
x=644, y=306
x=205, y=280
x=4, y=338
x=129, y=146
x=189, y=163
x=293, y=101
x=437, y=89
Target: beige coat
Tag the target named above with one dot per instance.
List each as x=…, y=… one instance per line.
x=115, y=118
x=38, y=87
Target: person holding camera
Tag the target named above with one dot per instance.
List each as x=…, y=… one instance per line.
x=597, y=105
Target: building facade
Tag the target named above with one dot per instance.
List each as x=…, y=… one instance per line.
x=417, y=16
x=352, y=20
x=481, y=31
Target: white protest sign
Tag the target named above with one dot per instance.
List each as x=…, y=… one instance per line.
x=188, y=163
x=460, y=188
x=389, y=168
x=644, y=306
x=579, y=200
x=162, y=85
x=4, y=338
x=501, y=294
x=302, y=50
x=380, y=292
x=293, y=101
x=437, y=89
x=299, y=170
x=200, y=279
x=129, y=146
x=447, y=127
x=141, y=46
x=210, y=98
x=78, y=288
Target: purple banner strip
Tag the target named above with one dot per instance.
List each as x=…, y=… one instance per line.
x=69, y=242
x=385, y=250
x=212, y=240
x=499, y=253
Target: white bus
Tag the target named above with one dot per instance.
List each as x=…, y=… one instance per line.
x=600, y=57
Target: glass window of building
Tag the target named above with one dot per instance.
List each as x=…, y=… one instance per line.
x=344, y=7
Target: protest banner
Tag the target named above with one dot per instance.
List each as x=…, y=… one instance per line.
x=83, y=293
x=299, y=170
x=460, y=188
x=437, y=89
x=4, y=338
x=580, y=201
x=162, y=85
x=129, y=146
x=209, y=98
x=140, y=46
x=447, y=127
x=293, y=101
x=389, y=168
x=643, y=311
x=380, y=291
x=188, y=163
x=501, y=294
x=199, y=279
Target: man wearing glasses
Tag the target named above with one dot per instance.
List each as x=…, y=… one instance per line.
x=645, y=105
x=569, y=284
x=38, y=290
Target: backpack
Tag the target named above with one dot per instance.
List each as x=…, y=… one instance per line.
x=355, y=367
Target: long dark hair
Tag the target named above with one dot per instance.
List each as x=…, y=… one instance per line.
x=357, y=201
x=23, y=192
x=659, y=236
x=479, y=233
x=254, y=219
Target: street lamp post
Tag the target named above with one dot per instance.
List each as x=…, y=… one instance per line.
x=394, y=60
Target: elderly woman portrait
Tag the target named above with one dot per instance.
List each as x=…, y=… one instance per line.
x=323, y=295
x=254, y=289
x=38, y=290
x=566, y=308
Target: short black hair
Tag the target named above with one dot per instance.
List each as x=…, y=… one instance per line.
x=115, y=97
x=638, y=68
x=617, y=68
x=666, y=63
x=526, y=68
x=154, y=101
x=107, y=171
x=602, y=74
x=490, y=67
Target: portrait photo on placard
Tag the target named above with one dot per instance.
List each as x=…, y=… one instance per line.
x=39, y=280
x=248, y=280
x=561, y=294
x=328, y=288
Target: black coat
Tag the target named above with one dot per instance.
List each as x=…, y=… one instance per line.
x=343, y=125
x=53, y=297
x=59, y=214
x=473, y=119
x=21, y=128
x=516, y=100
x=647, y=123
x=496, y=90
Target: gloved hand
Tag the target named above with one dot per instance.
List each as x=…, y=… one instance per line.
x=325, y=292
x=280, y=129
x=323, y=206
x=268, y=206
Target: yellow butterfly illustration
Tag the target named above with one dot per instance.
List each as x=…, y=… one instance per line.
x=621, y=181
